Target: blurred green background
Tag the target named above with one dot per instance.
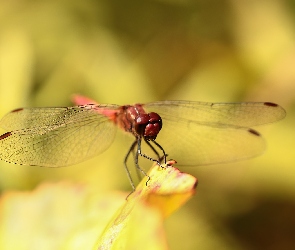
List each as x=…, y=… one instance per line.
x=124, y=52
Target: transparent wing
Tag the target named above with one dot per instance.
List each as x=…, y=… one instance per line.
x=196, y=144
x=51, y=117
x=197, y=133
x=245, y=114
x=55, y=137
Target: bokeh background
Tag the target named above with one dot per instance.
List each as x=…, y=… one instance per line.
x=124, y=52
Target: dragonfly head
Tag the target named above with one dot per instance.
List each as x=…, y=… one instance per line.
x=148, y=125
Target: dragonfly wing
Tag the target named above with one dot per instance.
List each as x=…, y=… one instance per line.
x=49, y=117
x=55, y=137
x=191, y=143
x=245, y=114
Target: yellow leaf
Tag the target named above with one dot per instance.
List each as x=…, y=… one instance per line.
x=55, y=216
x=71, y=216
x=138, y=224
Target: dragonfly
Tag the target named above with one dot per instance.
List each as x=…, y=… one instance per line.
x=193, y=133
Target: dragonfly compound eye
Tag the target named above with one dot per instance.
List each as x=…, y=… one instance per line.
x=141, y=122
x=153, y=127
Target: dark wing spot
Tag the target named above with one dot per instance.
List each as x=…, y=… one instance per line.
x=5, y=135
x=254, y=132
x=271, y=104
x=196, y=184
x=17, y=110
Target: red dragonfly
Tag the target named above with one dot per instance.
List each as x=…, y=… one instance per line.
x=194, y=133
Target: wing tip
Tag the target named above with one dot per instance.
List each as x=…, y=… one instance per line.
x=5, y=135
x=254, y=132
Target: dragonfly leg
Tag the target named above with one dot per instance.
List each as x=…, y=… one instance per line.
x=160, y=159
x=146, y=156
x=134, y=152
x=126, y=167
x=164, y=153
x=143, y=155
x=154, y=150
